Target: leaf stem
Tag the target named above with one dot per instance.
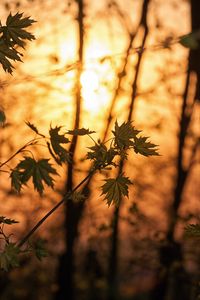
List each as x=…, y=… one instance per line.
x=30, y=143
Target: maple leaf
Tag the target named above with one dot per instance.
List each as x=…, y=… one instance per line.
x=142, y=146
x=9, y=257
x=13, y=34
x=39, y=171
x=81, y=131
x=123, y=134
x=59, y=153
x=115, y=188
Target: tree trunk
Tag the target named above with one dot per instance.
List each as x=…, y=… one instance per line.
x=113, y=257
x=174, y=282
x=73, y=211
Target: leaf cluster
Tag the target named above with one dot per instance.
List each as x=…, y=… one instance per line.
x=41, y=171
x=126, y=137
x=12, y=36
x=102, y=154
x=10, y=256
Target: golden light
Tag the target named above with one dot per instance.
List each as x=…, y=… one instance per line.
x=97, y=77
x=89, y=80
x=90, y=86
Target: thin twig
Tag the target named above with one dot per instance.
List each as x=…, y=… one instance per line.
x=30, y=143
x=64, y=199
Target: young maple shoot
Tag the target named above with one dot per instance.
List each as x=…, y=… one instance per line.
x=13, y=36
x=102, y=155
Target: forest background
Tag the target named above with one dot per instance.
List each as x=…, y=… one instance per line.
x=90, y=65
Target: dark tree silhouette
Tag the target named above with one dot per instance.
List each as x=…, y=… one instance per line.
x=73, y=210
x=113, y=255
x=174, y=277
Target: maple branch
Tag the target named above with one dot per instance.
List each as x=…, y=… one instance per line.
x=64, y=199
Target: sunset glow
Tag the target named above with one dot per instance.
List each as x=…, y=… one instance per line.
x=99, y=149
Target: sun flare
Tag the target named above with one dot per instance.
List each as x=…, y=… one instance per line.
x=89, y=80
x=96, y=79
x=90, y=86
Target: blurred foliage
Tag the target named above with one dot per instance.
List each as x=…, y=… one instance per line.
x=191, y=40
x=192, y=230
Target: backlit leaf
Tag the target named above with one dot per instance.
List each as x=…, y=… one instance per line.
x=115, y=188
x=59, y=153
x=142, y=146
x=124, y=134
x=40, y=171
x=12, y=36
x=14, y=32
x=9, y=258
